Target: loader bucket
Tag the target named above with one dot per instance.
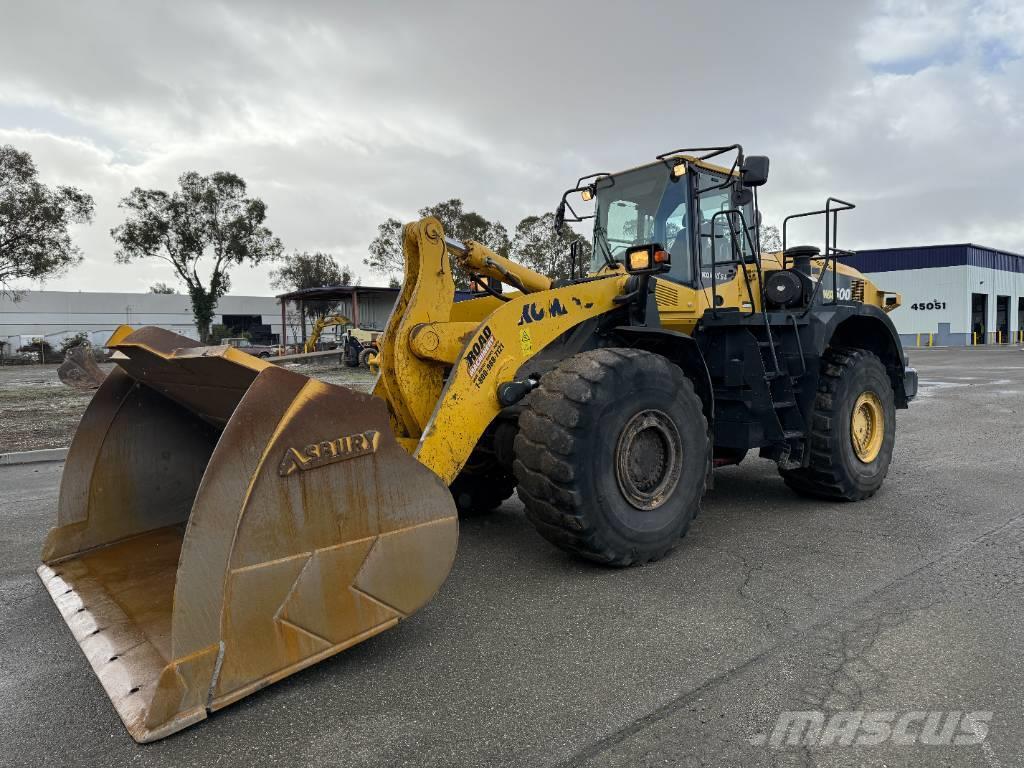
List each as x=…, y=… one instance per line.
x=224, y=522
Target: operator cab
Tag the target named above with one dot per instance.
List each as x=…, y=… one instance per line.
x=703, y=214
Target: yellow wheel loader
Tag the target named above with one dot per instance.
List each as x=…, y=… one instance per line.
x=224, y=522
x=320, y=326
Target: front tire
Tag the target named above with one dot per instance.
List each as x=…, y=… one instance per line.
x=853, y=429
x=613, y=456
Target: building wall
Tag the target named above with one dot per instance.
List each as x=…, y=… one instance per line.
x=373, y=309
x=942, y=293
x=948, y=291
x=55, y=315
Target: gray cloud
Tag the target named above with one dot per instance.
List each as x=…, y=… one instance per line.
x=340, y=114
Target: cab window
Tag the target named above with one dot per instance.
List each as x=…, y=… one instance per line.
x=721, y=236
x=677, y=242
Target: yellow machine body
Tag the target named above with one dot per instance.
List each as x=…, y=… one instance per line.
x=680, y=307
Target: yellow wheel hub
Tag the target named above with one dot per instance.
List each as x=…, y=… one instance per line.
x=867, y=427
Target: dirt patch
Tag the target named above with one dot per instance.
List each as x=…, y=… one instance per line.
x=37, y=411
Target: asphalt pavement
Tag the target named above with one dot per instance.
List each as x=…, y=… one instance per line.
x=906, y=610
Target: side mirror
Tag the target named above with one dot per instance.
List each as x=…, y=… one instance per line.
x=560, y=217
x=754, y=172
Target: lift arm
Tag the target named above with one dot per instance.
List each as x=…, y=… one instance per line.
x=318, y=328
x=478, y=258
x=441, y=376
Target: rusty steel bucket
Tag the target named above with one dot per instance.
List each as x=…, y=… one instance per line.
x=224, y=522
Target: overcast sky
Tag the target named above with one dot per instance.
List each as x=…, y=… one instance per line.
x=340, y=114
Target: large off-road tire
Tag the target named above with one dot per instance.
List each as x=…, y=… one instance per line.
x=613, y=455
x=852, y=431
x=364, y=356
x=477, y=494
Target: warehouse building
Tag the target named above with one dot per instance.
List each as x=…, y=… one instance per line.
x=56, y=315
x=953, y=295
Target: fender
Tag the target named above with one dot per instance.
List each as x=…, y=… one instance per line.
x=681, y=350
x=861, y=325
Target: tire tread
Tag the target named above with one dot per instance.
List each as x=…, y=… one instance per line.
x=549, y=444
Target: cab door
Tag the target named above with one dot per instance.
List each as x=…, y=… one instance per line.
x=723, y=247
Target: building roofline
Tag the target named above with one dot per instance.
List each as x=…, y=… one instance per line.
x=939, y=245
x=327, y=292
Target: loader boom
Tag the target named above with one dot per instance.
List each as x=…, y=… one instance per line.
x=483, y=342
x=319, y=327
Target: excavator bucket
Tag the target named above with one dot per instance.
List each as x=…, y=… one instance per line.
x=224, y=522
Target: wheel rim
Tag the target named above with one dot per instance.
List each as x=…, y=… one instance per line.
x=648, y=459
x=867, y=427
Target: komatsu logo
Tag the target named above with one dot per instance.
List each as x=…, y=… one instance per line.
x=532, y=313
x=328, y=452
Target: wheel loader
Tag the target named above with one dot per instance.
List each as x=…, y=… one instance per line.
x=224, y=522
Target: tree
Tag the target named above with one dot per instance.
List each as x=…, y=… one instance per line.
x=311, y=270
x=208, y=217
x=536, y=245
x=34, y=220
x=771, y=240
x=394, y=282
x=468, y=225
x=385, y=251
x=77, y=340
x=162, y=288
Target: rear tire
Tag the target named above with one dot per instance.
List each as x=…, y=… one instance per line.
x=850, y=450
x=613, y=456
x=364, y=357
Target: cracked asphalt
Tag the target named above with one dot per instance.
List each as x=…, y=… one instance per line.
x=912, y=601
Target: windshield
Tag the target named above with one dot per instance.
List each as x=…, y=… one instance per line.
x=645, y=205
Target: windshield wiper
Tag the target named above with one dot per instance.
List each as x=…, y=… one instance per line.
x=601, y=236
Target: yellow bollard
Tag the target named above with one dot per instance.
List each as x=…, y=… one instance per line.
x=919, y=340
x=974, y=338
x=930, y=339
x=999, y=337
